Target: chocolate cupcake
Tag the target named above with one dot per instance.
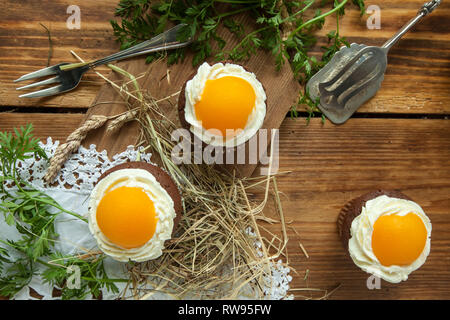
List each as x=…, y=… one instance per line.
x=223, y=105
x=385, y=233
x=133, y=209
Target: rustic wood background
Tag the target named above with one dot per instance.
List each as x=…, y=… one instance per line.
x=400, y=139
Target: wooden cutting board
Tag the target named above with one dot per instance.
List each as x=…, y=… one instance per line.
x=161, y=80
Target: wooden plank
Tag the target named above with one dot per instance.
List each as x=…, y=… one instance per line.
x=417, y=78
x=330, y=165
x=24, y=46
x=57, y=126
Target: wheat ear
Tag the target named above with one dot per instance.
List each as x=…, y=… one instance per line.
x=71, y=145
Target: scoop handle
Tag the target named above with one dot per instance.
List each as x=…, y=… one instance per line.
x=426, y=9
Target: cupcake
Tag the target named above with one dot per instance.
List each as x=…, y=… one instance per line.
x=223, y=105
x=386, y=234
x=133, y=209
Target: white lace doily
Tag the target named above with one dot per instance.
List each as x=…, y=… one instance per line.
x=73, y=187
x=81, y=170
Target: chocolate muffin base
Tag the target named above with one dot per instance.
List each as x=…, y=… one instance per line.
x=163, y=179
x=182, y=104
x=353, y=209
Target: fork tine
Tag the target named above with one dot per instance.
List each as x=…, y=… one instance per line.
x=361, y=88
x=40, y=83
x=39, y=73
x=345, y=68
x=43, y=93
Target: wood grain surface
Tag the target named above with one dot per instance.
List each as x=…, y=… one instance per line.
x=416, y=79
x=330, y=165
x=388, y=144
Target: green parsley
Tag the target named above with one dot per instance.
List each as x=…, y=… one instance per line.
x=142, y=19
x=92, y=274
x=33, y=214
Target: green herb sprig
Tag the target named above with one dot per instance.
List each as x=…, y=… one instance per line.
x=19, y=275
x=26, y=207
x=92, y=274
x=33, y=214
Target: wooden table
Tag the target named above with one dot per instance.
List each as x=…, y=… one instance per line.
x=400, y=139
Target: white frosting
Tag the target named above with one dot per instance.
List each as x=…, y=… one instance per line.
x=360, y=243
x=194, y=90
x=164, y=210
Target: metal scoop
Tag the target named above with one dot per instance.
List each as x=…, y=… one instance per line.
x=355, y=73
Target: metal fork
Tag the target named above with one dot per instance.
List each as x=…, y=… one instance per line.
x=69, y=79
